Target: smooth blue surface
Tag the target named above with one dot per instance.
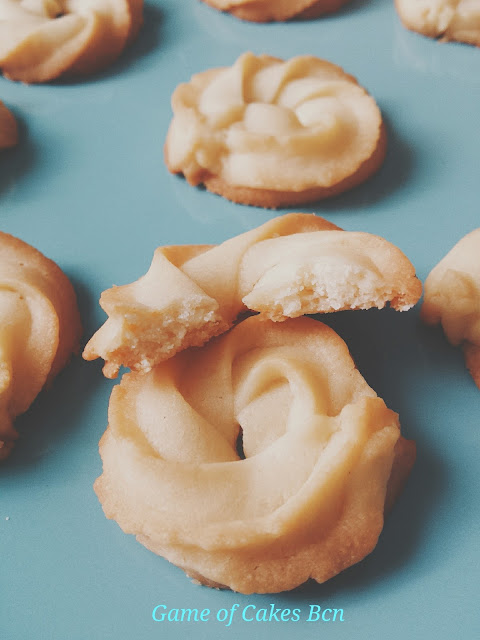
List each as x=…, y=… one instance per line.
x=88, y=187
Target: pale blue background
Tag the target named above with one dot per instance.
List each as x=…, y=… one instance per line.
x=88, y=187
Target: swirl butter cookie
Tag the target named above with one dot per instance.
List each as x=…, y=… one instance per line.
x=292, y=265
x=452, y=299
x=39, y=329
x=279, y=10
x=303, y=497
x=270, y=133
x=446, y=19
x=8, y=128
x=41, y=40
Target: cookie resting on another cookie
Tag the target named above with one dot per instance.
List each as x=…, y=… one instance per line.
x=446, y=19
x=323, y=458
x=280, y=10
x=270, y=133
x=41, y=40
x=452, y=299
x=293, y=265
x=8, y=128
x=39, y=329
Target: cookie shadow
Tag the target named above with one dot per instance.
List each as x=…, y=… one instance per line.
x=16, y=162
x=386, y=365
x=399, y=544
x=393, y=175
x=146, y=42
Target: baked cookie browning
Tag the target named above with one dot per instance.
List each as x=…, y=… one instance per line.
x=271, y=133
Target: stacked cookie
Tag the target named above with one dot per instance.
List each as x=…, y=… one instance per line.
x=262, y=458
x=249, y=452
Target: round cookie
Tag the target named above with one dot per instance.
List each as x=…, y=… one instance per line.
x=445, y=19
x=270, y=133
x=278, y=10
x=41, y=40
x=8, y=128
x=303, y=496
x=452, y=298
x=39, y=329
x=293, y=265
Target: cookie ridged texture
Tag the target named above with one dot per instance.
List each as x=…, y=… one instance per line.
x=293, y=265
x=41, y=40
x=307, y=499
x=271, y=133
x=278, y=10
x=8, y=128
x=457, y=20
x=452, y=298
x=39, y=329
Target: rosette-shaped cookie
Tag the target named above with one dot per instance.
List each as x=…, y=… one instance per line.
x=39, y=329
x=452, y=299
x=8, y=128
x=446, y=19
x=267, y=10
x=41, y=40
x=302, y=497
x=293, y=265
x=271, y=133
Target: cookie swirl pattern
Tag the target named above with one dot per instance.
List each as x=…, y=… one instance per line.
x=322, y=456
x=39, y=329
x=272, y=133
x=293, y=265
x=41, y=40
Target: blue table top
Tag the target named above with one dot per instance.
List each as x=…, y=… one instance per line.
x=88, y=187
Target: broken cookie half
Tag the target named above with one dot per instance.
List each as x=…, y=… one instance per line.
x=293, y=265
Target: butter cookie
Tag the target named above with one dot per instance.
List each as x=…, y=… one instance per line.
x=303, y=496
x=41, y=40
x=270, y=133
x=446, y=19
x=39, y=329
x=452, y=299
